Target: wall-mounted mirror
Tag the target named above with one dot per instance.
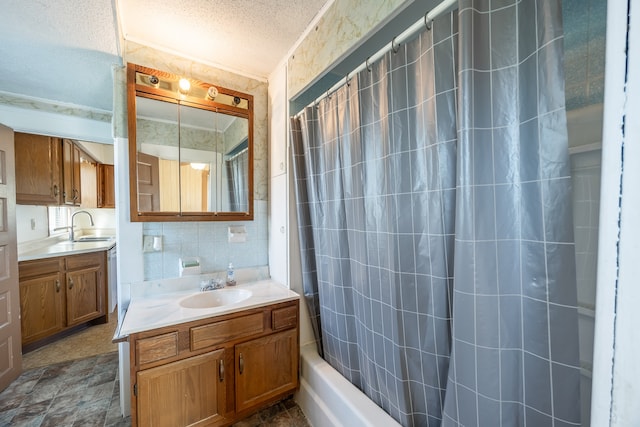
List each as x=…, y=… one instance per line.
x=190, y=149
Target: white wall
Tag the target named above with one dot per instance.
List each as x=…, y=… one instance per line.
x=278, y=200
x=26, y=216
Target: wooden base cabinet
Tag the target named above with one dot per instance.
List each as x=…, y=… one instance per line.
x=61, y=292
x=215, y=371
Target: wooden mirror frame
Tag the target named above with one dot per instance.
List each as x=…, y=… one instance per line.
x=239, y=104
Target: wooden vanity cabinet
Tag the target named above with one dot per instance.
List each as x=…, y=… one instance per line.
x=214, y=371
x=38, y=169
x=59, y=293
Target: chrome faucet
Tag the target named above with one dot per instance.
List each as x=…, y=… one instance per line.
x=71, y=236
x=211, y=284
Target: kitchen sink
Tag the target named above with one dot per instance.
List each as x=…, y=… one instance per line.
x=93, y=239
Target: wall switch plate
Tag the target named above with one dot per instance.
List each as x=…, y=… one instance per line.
x=151, y=243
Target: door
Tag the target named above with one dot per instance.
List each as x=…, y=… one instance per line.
x=148, y=183
x=189, y=392
x=10, y=348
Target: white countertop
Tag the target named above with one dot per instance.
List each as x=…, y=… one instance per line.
x=49, y=248
x=156, y=311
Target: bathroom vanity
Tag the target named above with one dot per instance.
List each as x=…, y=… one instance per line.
x=211, y=358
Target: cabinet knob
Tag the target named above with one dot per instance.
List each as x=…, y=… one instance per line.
x=241, y=364
x=57, y=285
x=221, y=370
x=55, y=190
x=70, y=283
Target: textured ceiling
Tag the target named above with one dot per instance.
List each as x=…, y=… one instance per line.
x=59, y=51
x=249, y=36
x=63, y=51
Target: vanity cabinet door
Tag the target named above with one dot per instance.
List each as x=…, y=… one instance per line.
x=41, y=306
x=266, y=367
x=189, y=392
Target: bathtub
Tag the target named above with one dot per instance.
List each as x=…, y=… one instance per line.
x=328, y=399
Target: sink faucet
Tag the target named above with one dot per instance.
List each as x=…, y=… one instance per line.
x=71, y=236
x=211, y=284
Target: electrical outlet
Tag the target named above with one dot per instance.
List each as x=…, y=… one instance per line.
x=33, y=223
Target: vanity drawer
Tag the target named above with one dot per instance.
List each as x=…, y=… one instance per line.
x=226, y=330
x=157, y=348
x=284, y=318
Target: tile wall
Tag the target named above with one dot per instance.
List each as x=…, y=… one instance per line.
x=208, y=241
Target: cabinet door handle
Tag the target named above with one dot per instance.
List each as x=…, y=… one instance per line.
x=70, y=283
x=57, y=285
x=221, y=370
x=241, y=364
x=55, y=190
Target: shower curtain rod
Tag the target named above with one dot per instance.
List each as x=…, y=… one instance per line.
x=443, y=7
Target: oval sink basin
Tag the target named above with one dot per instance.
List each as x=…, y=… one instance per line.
x=216, y=298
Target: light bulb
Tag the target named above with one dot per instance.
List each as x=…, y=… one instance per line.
x=184, y=86
x=198, y=166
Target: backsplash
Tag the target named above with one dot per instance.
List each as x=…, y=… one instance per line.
x=32, y=222
x=207, y=240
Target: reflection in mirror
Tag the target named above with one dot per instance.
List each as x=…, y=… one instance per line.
x=189, y=159
x=193, y=159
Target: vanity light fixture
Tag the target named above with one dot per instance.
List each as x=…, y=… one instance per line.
x=154, y=80
x=212, y=92
x=184, y=86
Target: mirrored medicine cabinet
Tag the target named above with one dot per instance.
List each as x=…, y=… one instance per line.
x=190, y=149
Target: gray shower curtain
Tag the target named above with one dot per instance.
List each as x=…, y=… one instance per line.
x=237, y=178
x=433, y=201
